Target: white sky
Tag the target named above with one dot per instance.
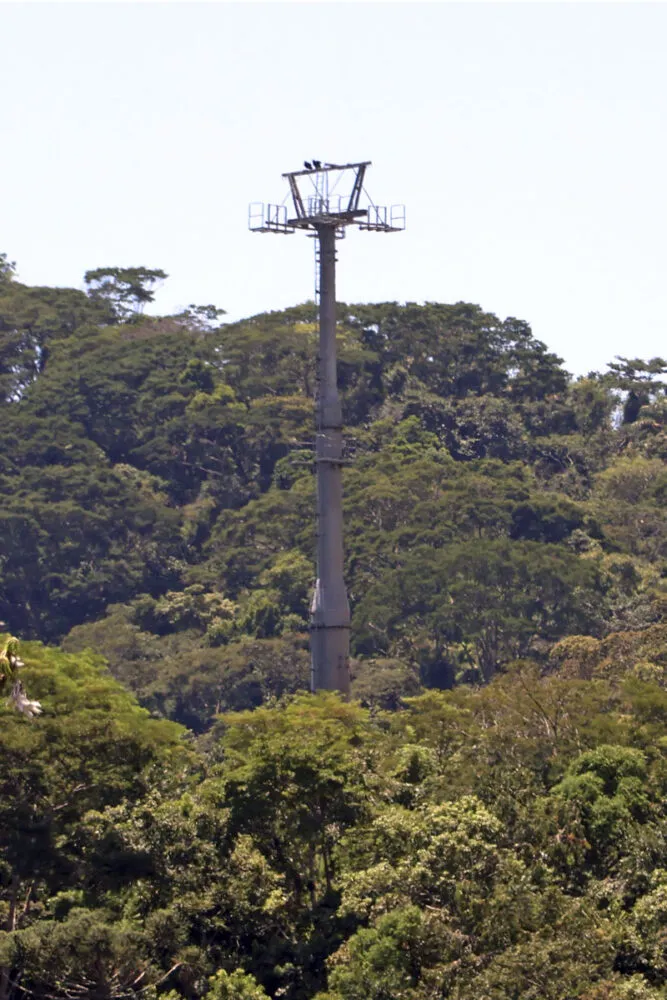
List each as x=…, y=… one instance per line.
x=528, y=142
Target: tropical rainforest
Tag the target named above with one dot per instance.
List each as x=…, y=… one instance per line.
x=486, y=817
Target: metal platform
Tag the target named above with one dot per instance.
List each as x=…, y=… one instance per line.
x=333, y=211
x=269, y=219
x=384, y=220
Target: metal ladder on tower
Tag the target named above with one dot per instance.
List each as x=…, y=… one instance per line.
x=340, y=235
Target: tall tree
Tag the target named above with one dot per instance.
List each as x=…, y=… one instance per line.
x=126, y=289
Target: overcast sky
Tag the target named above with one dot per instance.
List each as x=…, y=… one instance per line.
x=528, y=142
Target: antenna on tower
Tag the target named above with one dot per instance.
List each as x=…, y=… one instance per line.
x=325, y=201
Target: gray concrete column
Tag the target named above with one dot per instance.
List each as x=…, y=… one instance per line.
x=330, y=610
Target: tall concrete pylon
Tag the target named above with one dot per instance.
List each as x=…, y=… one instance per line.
x=326, y=215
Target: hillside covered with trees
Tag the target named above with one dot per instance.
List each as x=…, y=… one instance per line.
x=486, y=819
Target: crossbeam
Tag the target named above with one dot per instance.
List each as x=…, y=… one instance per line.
x=326, y=168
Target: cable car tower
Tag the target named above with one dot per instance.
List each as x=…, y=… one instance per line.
x=325, y=200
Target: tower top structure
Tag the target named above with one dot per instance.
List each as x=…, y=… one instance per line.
x=326, y=195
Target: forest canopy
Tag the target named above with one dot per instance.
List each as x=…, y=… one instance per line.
x=485, y=819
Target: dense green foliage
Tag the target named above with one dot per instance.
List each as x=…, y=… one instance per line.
x=506, y=841
x=486, y=821
x=158, y=491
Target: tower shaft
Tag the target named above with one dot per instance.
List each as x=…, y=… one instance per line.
x=330, y=610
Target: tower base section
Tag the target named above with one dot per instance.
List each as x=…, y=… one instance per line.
x=330, y=649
